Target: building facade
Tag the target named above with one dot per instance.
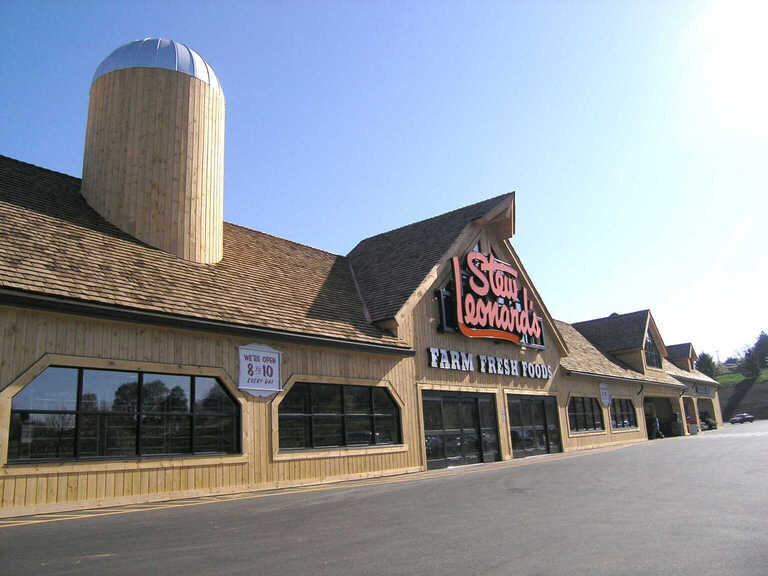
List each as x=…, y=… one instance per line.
x=139, y=365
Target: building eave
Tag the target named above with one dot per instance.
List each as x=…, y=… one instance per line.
x=111, y=312
x=596, y=376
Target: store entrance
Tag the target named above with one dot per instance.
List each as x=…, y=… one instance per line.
x=661, y=418
x=459, y=428
x=533, y=425
x=706, y=414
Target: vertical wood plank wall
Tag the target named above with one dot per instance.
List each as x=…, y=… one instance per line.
x=27, y=335
x=154, y=159
x=425, y=321
x=591, y=388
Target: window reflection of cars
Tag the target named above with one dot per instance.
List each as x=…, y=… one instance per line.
x=742, y=418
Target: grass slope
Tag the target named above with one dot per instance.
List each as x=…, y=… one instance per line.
x=747, y=395
x=734, y=378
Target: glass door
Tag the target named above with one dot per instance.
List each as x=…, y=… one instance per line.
x=489, y=436
x=553, y=425
x=459, y=428
x=453, y=436
x=470, y=430
x=533, y=425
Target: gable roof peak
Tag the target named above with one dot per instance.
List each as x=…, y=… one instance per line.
x=390, y=266
x=483, y=206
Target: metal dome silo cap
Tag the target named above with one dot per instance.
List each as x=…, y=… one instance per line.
x=159, y=53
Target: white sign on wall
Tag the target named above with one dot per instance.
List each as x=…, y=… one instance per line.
x=259, y=370
x=605, y=397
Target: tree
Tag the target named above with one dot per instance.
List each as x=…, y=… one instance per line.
x=761, y=350
x=706, y=365
x=750, y=367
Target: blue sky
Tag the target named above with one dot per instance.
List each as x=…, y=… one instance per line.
x=635, y=134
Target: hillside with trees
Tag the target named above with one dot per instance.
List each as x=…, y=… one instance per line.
x=745, y=389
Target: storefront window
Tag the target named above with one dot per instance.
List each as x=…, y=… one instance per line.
x=332, y=415
x=74, y=413
x=585, y=414
x=623, y=413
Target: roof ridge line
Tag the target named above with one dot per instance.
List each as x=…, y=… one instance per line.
x=3, y=156
x=611, y=316
x=432, y=218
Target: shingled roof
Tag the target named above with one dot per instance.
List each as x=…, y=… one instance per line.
x=616, y=332
x=53, y=243
x=684, y=375
x=390, y=266
x=675, y=351
x=584, y=357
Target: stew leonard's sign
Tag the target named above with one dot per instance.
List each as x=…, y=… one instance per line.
x=453, y=360
x=489, y=301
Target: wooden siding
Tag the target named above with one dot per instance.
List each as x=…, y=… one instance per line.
x=421, y=327
x=32, y=340
x=570, y=386
x=154, y=159
x=635, y=359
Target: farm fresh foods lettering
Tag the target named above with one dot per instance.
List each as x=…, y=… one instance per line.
x=501, y=365
x=487, y=305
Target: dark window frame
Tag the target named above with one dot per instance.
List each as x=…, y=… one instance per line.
x=582, y=413
x=309, y=414
x=80, y=413
x=651, y=351
x=623, y=414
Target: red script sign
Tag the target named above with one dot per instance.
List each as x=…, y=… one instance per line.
x=484, y=312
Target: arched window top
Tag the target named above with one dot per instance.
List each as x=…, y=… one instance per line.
x=652, y=356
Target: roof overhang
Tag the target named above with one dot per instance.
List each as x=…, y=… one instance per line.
x=708, y=382
x=111, y=312
x=501, y=219
x=595, y=376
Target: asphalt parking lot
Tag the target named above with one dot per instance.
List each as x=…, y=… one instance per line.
x=677, y=506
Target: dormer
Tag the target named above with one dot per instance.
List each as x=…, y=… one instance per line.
x=683, y=356
x=632, y=338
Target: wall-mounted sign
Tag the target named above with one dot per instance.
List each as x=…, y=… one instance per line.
x=605, y=397
x=485, y=364
x=259, y=370
x=487, y=301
